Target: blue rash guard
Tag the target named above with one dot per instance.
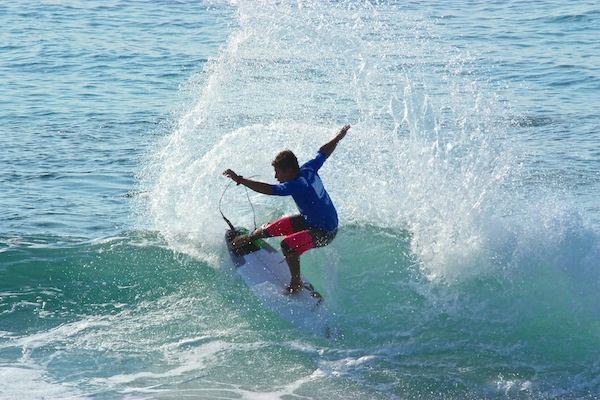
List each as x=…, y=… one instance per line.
x=310, y=196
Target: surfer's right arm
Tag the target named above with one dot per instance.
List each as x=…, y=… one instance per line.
x=259, y=187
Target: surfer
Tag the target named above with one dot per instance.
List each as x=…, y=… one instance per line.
x=315, y=226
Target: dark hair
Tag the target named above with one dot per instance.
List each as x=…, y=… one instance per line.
x=286, y=159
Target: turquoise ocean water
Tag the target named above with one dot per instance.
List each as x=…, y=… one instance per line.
x=467, y=262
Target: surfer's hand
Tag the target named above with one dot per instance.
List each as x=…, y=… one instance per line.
x=235, y=177
x=343, y=132
x=230, y=174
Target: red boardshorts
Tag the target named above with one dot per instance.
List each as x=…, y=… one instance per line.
x=298, y=236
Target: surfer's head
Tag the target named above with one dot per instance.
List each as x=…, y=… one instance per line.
x=286, y=166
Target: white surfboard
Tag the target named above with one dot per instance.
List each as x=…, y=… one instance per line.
x=266, y=272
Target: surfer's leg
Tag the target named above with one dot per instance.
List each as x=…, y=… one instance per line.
x=281, y=227
x=286, y=226
x=292, y=247
x=293, y=261
x=295, y=245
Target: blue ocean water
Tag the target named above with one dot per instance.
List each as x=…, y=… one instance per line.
x=467, y=262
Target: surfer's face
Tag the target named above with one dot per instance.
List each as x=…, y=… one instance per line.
x=284, y=175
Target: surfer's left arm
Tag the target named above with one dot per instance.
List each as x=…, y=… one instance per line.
x=330, y=146
x=257, y=186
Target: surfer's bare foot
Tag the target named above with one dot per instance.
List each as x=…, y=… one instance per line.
x=294, y=287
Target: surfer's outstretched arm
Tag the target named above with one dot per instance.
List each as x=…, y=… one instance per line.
x=330, y=146
x=257, y=186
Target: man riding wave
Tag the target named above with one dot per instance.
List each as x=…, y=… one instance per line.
x=316, y=224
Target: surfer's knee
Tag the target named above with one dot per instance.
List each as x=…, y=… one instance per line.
x=287, y=250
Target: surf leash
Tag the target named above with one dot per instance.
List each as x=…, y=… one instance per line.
x=249, y=201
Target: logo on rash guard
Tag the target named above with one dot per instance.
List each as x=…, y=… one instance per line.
x=317, y=186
